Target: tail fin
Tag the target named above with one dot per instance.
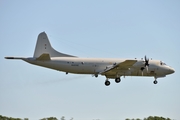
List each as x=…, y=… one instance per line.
x=43, y=46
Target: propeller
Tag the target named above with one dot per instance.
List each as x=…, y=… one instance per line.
x=146, y=65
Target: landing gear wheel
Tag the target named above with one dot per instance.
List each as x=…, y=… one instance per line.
x=107, y=83
x=155, y=82
x=117, y=80
x=96, y=75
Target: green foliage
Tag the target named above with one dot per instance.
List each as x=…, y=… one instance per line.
x=8, y=118
x=151, y=118
x=50, y=118
x=157, y=118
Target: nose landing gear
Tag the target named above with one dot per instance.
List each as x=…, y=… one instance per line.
x=155, y=81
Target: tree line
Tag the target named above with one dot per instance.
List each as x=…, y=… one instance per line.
x=63, y=118
x=150, y=118
x=49, y=118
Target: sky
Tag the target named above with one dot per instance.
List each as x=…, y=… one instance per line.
x=94, y=28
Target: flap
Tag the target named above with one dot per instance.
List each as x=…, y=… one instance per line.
x=44, y=56
x=127, y=63
x=123, y=65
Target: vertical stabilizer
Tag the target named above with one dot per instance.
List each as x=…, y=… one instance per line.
x=43, y=46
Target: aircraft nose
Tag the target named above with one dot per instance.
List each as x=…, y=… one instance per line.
x=171, y=70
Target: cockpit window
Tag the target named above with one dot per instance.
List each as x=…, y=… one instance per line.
x=162, y=63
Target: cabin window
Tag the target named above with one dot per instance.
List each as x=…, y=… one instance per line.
x=162, y=63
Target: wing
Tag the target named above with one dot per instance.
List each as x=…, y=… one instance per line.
x=122, y=66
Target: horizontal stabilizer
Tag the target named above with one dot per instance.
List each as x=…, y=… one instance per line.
x=13, y=57
x=44, y=56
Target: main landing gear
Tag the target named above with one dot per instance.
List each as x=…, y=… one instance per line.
x=117, y=80
x=107, y=82
x=155, y=81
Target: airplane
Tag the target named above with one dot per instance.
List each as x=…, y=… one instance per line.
x=46, y=56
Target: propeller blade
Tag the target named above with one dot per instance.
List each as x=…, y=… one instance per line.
x=147, y=68
x=142, y=68
x=146, y=61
